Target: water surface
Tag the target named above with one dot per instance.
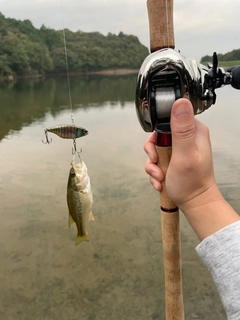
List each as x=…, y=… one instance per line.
x=119, y=273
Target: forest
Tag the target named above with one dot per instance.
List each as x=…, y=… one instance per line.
x=29, y=51
x=228, y=59
x=26, y=50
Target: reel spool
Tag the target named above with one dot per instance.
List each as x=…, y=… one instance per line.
x=166, y=76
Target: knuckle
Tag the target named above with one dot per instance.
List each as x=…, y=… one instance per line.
x=185, y=131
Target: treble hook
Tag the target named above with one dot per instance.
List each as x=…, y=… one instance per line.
x=47, y=139
x=74, y=149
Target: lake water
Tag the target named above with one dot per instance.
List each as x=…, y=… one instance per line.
x=119, y=273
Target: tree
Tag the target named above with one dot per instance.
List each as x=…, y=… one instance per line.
x=229, y=56
x=52, y=39
x=5, y=68
x=13, y=47
x=59, y=60
x=39, y=57
x=25, y=49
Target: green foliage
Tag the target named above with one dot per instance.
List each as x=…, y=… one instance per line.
x=93, y=51
x=13, y=47
x=229, y=56
x=206, y=59
x=39, y=57
x=25, y=49
x=226, y=64
x=51, y=38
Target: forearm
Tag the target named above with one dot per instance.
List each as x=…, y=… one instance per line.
x=221, y=254
x=218, y=226
x=209, y=213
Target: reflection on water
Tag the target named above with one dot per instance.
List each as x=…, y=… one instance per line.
x=23, y=102
x=119, y=274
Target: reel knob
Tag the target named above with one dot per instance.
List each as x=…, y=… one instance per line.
x=236, y=78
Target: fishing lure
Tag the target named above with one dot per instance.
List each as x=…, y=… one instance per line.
x=79, y=195
x=66, y=132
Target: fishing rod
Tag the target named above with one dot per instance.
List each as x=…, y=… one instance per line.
x=160, y=14
x=164, y=77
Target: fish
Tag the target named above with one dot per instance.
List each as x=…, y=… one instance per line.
x=67, y=131
x=79, y=200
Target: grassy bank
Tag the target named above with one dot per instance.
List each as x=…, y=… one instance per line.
x=228, y=63
x=224, y=64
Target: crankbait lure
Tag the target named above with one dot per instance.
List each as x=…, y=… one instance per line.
x=66, y=131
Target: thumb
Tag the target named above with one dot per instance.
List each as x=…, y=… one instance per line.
x=182, y=126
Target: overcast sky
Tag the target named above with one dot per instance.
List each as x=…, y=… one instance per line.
x=201, y=26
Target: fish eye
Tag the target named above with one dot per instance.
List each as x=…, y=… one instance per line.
x=72, y=173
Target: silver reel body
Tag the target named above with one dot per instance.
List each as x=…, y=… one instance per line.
x=164, y=77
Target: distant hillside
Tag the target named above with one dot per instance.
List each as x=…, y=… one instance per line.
x=229, y=56
x=26, y=50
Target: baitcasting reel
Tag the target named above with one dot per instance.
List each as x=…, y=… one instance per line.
x=166, y=76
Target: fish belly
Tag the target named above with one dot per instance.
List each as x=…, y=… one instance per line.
x=80, y=207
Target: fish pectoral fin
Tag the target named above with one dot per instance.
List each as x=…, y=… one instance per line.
x=91, y=217
x=79, y=239
x=70, y=220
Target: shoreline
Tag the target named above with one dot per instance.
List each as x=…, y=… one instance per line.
x=110, y=72
x=99, y=72
x=115, y=72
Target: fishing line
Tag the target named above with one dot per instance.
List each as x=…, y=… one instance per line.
x=166, y=1
x=166, y=5
x=67, y=65
x=79, y=196
x=66, y=131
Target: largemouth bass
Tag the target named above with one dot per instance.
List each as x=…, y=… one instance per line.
x=79, y=199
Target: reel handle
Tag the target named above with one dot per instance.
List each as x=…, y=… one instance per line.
x=236, y=77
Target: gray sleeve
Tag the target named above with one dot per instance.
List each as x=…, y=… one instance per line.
x=221, y=254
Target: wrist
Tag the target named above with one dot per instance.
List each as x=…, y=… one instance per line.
x=202, y=200
x=209, y=212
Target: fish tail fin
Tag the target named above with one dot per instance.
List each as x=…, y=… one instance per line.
x=91, y=217
x=79, y=239
x=70, y=220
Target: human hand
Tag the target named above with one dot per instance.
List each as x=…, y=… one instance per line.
x=190, y=171
x=190, y=180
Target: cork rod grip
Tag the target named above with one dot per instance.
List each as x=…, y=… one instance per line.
x=160, y=16
x=171, y=245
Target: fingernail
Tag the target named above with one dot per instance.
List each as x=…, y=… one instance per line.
x=181, y=111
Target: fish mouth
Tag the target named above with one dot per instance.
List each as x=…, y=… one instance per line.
x=73, y=166
x=76, y=168
x=72, y=172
